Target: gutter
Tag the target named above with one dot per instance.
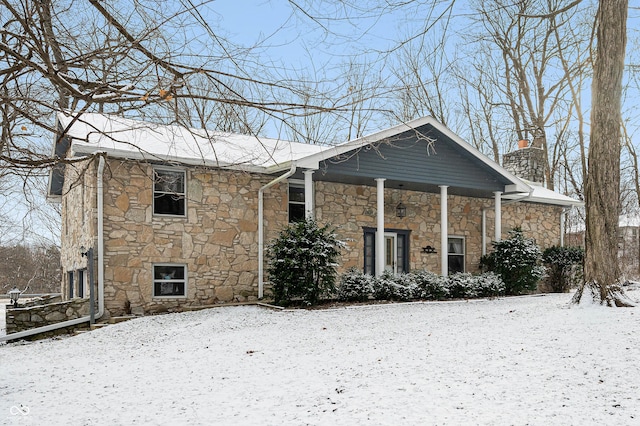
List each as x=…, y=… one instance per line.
x=89, y=318
x=261, y=227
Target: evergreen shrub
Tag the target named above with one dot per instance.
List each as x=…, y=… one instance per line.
x=355, y=286
x=564, y=265
x=430, y=286
x=302, y=263
x=421, y=285
x=517, y=261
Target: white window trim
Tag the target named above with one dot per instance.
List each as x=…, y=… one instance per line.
x=153, y=281
x=153, y=190
x=296, y=183
x=464, y=250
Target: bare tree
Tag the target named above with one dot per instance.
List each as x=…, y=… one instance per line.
x=602, y=271
x=30, y=268
x=533, y=82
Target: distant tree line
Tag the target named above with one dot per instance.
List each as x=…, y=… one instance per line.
x=32, y=269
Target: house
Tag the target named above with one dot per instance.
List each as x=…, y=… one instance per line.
x=177, y=218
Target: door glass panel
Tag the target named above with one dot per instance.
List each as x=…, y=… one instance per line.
x=390, y=253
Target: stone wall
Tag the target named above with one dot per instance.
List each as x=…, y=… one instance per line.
x=217, y=240
x=79, y=218
x=527, y=163
x=42, y=300
x=26, y=318
x=350, y=208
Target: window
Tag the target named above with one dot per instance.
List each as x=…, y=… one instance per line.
x=296, y=202
x=169, y=281
x=455, y=254
x=81, y=282
x=169, y=192
x=71, y=284
x=396, y=248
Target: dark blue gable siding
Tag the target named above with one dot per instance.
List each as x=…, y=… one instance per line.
x=415, y=162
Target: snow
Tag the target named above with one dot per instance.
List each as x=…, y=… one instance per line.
x=540, y=194
x=515, y=361
x=125, y=138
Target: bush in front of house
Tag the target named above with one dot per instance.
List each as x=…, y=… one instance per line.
x=564, y=265
x=398, y=287
x=430, y=286
x=421, y=285
x=302, y=263
x=487, y=284
x=355, y=286
x=517, y=261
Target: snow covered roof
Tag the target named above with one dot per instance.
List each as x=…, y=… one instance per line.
x=540, y=194
x=629, y=221
x=126, y=138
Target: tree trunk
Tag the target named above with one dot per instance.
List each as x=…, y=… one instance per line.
x=602, y=271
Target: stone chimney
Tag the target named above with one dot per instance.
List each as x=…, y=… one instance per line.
x=526, y=162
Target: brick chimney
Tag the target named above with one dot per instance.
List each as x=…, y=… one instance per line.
x=527, y=162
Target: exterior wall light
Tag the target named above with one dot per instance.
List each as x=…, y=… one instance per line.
x=401, y=210
x=14, y=295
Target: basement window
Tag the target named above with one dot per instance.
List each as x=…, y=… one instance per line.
x=169, y=280
x=169, y=192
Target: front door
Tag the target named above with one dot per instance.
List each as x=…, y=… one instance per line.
x=390, y=255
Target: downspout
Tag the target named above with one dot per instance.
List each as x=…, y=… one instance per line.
x=261, y=227
x=100, y=196
x=81, y=320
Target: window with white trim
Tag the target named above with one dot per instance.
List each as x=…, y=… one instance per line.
x=169, y=280
x=455, y=253
x=296, y=201
x=169, y=192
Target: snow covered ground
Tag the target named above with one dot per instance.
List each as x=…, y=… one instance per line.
x=512, y=361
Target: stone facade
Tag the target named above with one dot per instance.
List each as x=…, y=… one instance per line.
x=26, y=318
x=217, y=239
x=527, y=163
x=351, y=208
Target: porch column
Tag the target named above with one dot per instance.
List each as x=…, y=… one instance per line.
x=498, y=225
x=380, y=227
x=444, y=231
x=308, y=195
